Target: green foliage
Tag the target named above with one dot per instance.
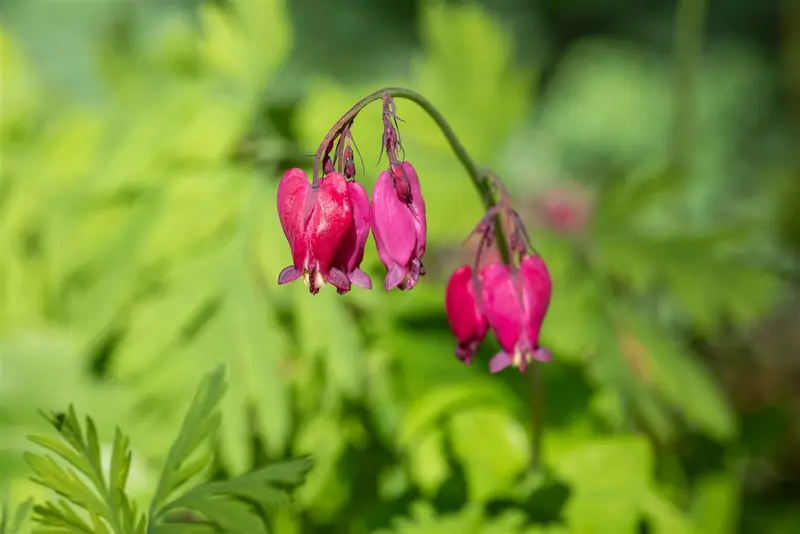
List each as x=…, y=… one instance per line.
x=13, y=523
x=139, y=246
x=93, y=498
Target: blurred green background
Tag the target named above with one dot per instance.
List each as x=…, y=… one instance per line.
x=651, y=146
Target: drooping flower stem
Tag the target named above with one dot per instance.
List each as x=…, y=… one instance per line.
x=480, y=177
x=492, y=192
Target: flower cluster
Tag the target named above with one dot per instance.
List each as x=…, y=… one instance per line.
x=328, y=221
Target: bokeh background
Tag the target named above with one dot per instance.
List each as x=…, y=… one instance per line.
x=651, y=146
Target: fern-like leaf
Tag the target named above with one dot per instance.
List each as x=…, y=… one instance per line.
x=235, y=505
x=102, y=505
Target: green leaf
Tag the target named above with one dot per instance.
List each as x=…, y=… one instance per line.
x=666, y=518
x=493, y=448
x=12, y=524
x=326, y=490
x=200, y=422
x=220, y=502
x=427, y=462
x=715, y=508
x=683, y=381
x=224, y=502
x=100, y=495
x=608, y=479
x=429, y=410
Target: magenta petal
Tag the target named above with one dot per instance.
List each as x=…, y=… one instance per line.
x=337, y=278
x=393, y=226
x=394, y=277
x=501, y=305
x=418, y=207
x=361, y=279
x=542, y=354
x=500, y=361
x=289, y=274
x=361, y=220
x=463, y=314
x=330, y=221
x=536, y=293
x=294, y=193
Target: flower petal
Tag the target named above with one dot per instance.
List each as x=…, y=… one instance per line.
x=500, y=361
x=536, y=292
x=293, y=193
x=501, y=305
x=331, y=219
x=465, y=318
x=393, y=227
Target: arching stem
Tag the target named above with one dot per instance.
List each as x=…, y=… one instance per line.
x=477, y=175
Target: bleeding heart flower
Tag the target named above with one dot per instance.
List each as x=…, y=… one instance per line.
x=399, y=225
x=515, y=302
x=464, y=312
x=315, y=219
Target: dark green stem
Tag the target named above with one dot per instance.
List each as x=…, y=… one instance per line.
x=477, y=175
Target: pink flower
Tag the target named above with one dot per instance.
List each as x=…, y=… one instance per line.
x=515, y=302
x=399, y=225
x=511, y=302
x=464, y=313
x=316, y=221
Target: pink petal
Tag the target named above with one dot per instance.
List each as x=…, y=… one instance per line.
x=360, y=278
x=289, y=274
x=351, y=251
x=500, y=361
x=418, y=205
x=331, y=219
x=293, y=193
x=393, y=226
x=465, y=318
x=542, y=354
x=536, y=293
x=501, y=305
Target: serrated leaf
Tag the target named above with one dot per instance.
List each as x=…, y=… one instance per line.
x=199, y=422
x=221, y=501
x=105, y=502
